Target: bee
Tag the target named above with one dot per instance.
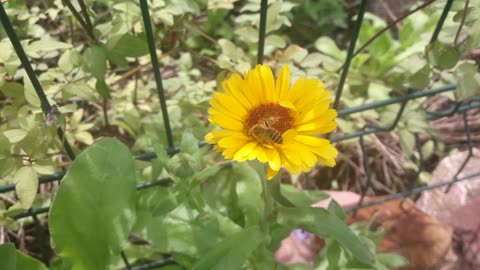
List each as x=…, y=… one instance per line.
x=264, y=133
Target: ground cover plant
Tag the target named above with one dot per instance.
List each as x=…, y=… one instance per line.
x=173, y=145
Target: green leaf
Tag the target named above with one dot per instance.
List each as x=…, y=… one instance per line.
x=12, y=259
x=327, y=46
x=333, y=255
x=420, y=79
x=7, y=165
x=331, y=226
x=302, y=197
x=391, y=260
x=189, y=143
x=129, y=46
x=30, y=94
x=36, y=141
x=4, y=144
x=98, y=196
x=26, y=180
x=249, y=193
x=69, y=60
x=37, y=48
x=335, y=208
x=103, y=89
x=468, y=81
x=95, y=61
x=26, y=262
x=442, y=56
x=7, y=256
x=407, y=142
x=232, y=252
x=230, y=50
x=79, y=89
x=186, y=231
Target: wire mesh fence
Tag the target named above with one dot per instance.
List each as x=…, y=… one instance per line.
x=457, y=107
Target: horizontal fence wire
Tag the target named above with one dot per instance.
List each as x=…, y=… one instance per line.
x=459, y=107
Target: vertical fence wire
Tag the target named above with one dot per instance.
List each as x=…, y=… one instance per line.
x=156, y=71
x=351, y=48
x=442, y=19
x=45, y=105
x=262, y=31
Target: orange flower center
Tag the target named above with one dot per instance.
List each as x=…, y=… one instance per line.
x=267, y=122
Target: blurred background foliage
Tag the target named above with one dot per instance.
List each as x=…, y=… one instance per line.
x=99, y=76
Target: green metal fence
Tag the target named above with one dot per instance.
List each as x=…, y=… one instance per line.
x=461, y=107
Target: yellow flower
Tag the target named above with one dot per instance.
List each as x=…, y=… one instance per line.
x=272, y=122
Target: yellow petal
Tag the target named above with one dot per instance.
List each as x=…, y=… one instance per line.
x=232, y=141
x=267, y=81
x=244, y=152
x=271, y=173
x=289, y=135
x=283, y=81
x=224, y=121
x=235, y=86
x=228, y=104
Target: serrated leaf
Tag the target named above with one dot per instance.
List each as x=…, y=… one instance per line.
x=26, y=186
x=102, y=178
x=232, y=252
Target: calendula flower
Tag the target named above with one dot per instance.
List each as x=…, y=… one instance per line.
x=273, y=122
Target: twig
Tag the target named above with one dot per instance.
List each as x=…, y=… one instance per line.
x=80, y=20
x=200, y=32
x=390, y=25
x=462, y=22
x=7, y=199
x=85, y=14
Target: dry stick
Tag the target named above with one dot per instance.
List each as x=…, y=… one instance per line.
x=390, y=25
x=79, y=19
x=200, y=32
x=465, y=11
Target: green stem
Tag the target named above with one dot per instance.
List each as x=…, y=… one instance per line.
x=105, y=112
